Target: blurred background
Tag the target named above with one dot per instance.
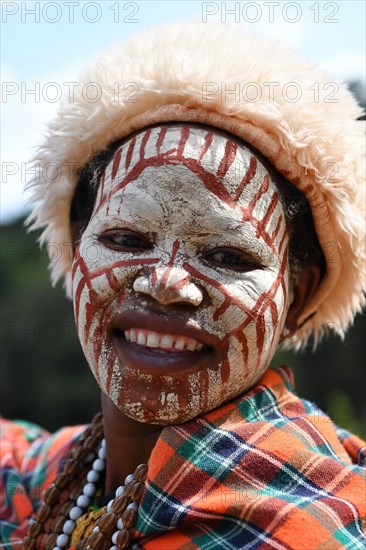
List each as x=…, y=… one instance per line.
x=44, y=376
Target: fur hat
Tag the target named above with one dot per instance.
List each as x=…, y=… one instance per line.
x=293, y=112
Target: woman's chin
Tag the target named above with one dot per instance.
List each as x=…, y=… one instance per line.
x=162, y=416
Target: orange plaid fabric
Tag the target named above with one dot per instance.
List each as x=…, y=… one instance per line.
x=267, y=470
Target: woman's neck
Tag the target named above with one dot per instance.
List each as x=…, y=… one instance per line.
x=129, y=443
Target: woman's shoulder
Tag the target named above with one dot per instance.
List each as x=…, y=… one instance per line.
x=29, y=460
x=25, y=445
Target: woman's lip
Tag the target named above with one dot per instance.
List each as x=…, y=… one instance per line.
x=164, y=325
x=160, y=361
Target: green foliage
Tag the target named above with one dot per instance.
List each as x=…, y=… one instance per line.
x=45, y=376
x=343, y=412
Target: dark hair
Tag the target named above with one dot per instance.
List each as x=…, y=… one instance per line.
x=83, y=201
x=304, y=248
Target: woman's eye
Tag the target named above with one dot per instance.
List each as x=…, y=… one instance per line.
x=233, y=259
x=124, y=241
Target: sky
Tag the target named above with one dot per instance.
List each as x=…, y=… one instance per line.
x=45, y=44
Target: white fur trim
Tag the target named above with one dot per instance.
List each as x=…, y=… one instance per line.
x=305, y=140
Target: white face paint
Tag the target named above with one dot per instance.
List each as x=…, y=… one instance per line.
x=181, y=278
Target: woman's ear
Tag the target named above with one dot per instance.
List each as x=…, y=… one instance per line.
x=302, y=292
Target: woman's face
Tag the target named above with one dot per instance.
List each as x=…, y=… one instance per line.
x=181, y=278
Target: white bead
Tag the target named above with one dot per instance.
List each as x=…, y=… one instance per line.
x=120, y=523
x=62, y=540
x=109, y=505
x=89, y=489
x=114, y=538
x=103, y=443
x=129, y=478
x=102, y=453
x=58, y=548
x=93, y=476
x=83, y=501
x=68, y=527
x=114, y=547
x=96, y=529
x=75, y=512
x=133, y=506
x=98, y=465
x=120, y=490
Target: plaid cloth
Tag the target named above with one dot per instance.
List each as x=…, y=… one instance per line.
x=267, y=470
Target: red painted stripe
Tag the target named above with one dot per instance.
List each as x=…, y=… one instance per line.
x=185, y=133
x=113, y=281
x=250, y=173
x=83, y=281
x=232, y=299
x=243, y=340
x=275, y=232
x=263, y=223
x=227, y=159
x=225, y=370
x=143, y=144
x=168, y=268
x=75, y=263
x=284, y=291
x=210, y=181
x=161, y=137
x=122, y=263
x=266, y=297
x=259, y=194
x=222, y=308
x=116, y=161
x=274, y=313
x=245, y=348
x=130, y=153
x=101, y=328
x=100, y=196
x=102, y=186
x=208, y=140
x=154, y=276
x=260, y=327
x=204, y=384
x=90, y=309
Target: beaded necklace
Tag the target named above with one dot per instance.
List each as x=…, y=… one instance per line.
x=69, y=497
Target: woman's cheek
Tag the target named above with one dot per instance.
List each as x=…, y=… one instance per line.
x=253, y=324
x=98, y=292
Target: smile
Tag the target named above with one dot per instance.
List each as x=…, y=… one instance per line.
x=169, y=342
x=162, y=345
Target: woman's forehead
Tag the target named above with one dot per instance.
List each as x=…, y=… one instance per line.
x=225, y=166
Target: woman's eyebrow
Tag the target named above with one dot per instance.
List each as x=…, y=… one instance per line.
x=135, y=205
x=224, y=220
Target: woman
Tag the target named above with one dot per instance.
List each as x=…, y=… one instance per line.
x=199, y=231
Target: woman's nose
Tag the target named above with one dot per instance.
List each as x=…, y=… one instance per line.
x=169, y=285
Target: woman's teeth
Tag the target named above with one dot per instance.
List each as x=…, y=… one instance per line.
x=151, y=339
